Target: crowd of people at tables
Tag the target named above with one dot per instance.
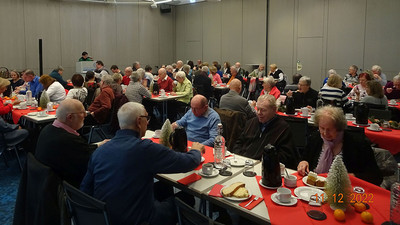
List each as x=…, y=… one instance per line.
x=120, y=171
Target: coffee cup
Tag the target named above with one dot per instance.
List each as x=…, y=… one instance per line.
x=22, y=105
x=349, y=116
x=284, y=195
x=290, y=181
x=157, y=133
x=21, y=98
x=374, y=126
x=305, y=111
x=392, y=102
x=162, y=92
x=207, y=168
x=42, y=113
x=282, y=166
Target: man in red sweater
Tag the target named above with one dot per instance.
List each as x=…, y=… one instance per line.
x=100, y=109
x=164, y=81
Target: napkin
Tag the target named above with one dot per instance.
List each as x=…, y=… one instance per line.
x=216, y=190
x=253, y=204
x=189, y=179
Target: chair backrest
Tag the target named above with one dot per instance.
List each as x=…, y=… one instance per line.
x=119, y=100
x=83, y=208
x=376, y=106
x=189, y=216
x=380, y=113
x=299, y=129
x=233, y=123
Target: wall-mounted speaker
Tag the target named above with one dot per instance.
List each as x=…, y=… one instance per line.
x=165, y=8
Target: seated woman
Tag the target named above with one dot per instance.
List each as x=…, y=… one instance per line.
x=16, y=80
x=392, y=89
x=331, y=140
x=375, y=94
x=269, y=87
x=216, y=78
x=332, y=94
x=78, y=92
x=135, y=92
x=360, y=90
x=5, y=108
x=54, y=89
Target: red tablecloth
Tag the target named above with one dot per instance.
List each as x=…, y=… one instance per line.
x=380, y=207
x=17, y=113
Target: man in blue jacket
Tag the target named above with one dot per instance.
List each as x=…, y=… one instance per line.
x=121, y=172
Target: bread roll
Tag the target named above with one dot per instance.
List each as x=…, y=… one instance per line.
x=241, y=193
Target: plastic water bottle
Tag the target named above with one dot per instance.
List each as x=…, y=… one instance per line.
x=29, y=96
x=219, y=148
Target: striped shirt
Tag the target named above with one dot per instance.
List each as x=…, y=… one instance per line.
x=334, y=94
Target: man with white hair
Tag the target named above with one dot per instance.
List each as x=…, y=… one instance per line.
x=392, y=89
x=126, y=78
x=164, y=81
x=239, y=70
x=121, y=172
x=61, y=148
x=267, y=128
x=179, y=65
x=378, y=75
x=100, y=108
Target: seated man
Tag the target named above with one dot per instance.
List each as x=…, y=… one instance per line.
x=57, y=74
x=164, y=81
x=259, y=72
x=201, y=122
x=305, y=96
x=33, y=82
x=233, y=101
x=100, y=109
x=60, y=147
x=121, y=172
x=267, y=128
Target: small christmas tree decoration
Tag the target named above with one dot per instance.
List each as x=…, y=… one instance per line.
x=166, y=131
x=338, y=187
x=44, y=99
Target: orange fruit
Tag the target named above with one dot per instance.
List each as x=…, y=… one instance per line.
x=339, y=215
x=13, y=97
x=359, y=207
x=367, y=217
x=39, y=108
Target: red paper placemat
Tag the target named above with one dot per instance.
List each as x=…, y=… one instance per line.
x=216, y=190
x=253, y=204
x=189, y=179
x=297, y=214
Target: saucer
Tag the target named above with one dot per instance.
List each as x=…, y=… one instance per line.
x=51, y=110
x=32, y=114
x=39, y=115
x=379, y=130
x=352, y=118
x=304, y=193
x=272, y=188
x=214, y=173
x=308, y=116
x=295, y=114
x=361, y=125
x=293, y=200
x=237, y=162
x=154, y=136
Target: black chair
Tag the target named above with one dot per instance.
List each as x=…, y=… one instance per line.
x=189, y=216
x=85, y=209
x=299, y=128
x=4, y=145
x=380, y=113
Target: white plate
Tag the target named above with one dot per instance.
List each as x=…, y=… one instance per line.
x=39, y=115
x=236, y=199
x=214, y=173
x=272, y=188
x=237, y=162
x=352, y=118
x=154, y=136
x=295, y=114
x=202, y=159
x=308, y=116
x=319, y=177
x=51, y=110
x=361, y=125
x=379, y=130
x=304, y=193
x=293, y=200
x=32, y=114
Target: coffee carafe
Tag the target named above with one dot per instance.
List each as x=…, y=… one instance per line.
x=361, y=113
x=271, y=172
x=178, y=139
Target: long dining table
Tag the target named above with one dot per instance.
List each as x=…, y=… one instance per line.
x=266, y=211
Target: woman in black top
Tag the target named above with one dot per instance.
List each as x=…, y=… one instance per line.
x=16, y=80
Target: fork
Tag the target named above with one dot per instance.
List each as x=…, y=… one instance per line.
x=254, y=199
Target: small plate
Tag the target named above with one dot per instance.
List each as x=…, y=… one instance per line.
x=308, y=116
x=32, y=114
x=272, y=188
x=304, y=193
x=202, y=159
x=293, y=200
x=236, y=199
x=214, y=173
x=319, y=177
x=39, y=115
x=295, y=114
x=237, y=162
x=51, y=110
x=361, y=125
x=379, y=130
x=351, y=119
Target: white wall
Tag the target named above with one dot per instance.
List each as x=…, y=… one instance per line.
x=230, y=30
x=115, y=34
x=326, y=34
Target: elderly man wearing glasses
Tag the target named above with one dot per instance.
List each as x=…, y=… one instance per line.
x=61, y=148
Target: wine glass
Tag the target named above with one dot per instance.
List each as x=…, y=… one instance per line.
x=226, y=169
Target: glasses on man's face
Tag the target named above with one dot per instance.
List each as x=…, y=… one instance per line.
x=147, y=118
x=82, y=113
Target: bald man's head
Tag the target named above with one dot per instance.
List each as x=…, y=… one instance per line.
x=235, y=85
x=72, y=113
x=199, y=105
x=162, y=73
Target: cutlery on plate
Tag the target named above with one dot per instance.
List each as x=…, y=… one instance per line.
x=254, y=199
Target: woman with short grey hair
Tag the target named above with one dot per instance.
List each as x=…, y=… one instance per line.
x=135, y=92
x=270, y=88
